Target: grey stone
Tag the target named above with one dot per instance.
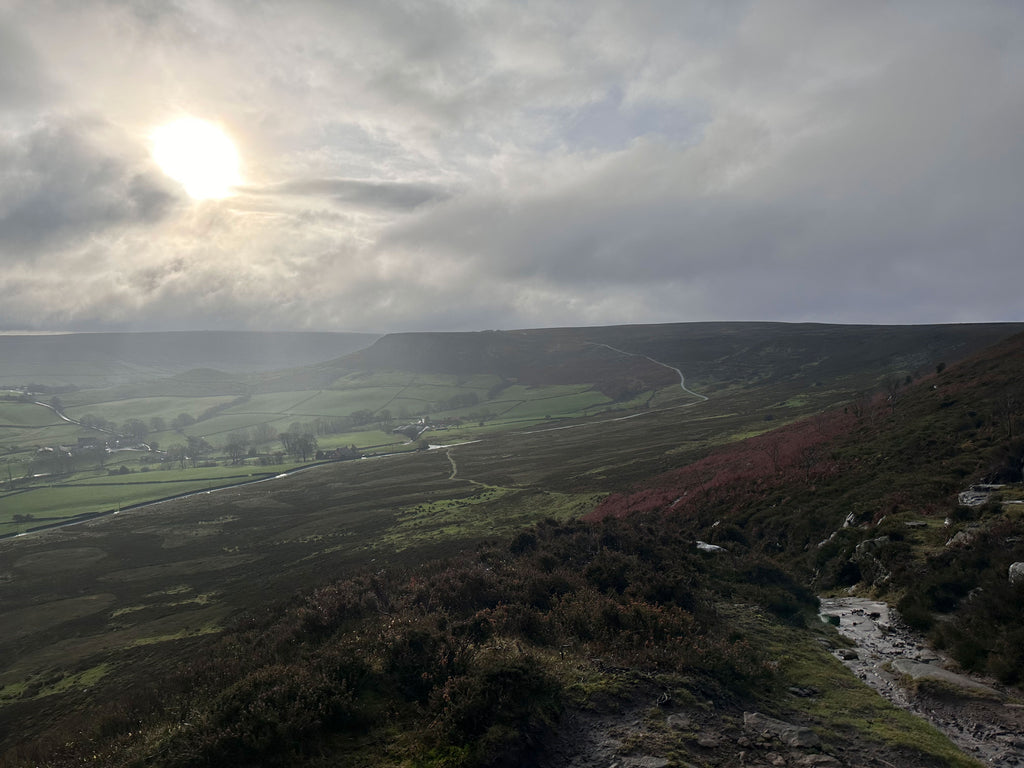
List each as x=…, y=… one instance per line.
x=677, y=720
x=789, y=734
x=1016, y=574
x=644, y=762
x=962, y=539
x=818, y=761
x=917, y=670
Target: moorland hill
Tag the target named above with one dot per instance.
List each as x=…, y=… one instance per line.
x=473, y=604
x=104, y=359
x=712, y=354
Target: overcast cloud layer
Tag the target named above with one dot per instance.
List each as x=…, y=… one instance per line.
x=471, y=164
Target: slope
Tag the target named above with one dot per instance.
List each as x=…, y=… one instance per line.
x=868, y=496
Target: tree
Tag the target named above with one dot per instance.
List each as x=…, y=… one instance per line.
x=157, y=424
x=302, y=444
x=197, y=448
x=183, y=420
x=179, y=454
x=359, y=418
x=263, y=433
x=135, y=429
x=236, y=446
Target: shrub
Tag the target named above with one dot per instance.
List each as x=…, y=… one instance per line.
x=500, y=709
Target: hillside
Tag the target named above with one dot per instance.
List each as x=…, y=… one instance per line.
x=106, y=359
x=393, y=611
x=868, y=497
x=713, y=354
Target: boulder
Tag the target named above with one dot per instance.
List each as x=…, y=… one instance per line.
x=703, y=546
x=787, y=733
x=1016, y=574
x=917, y=670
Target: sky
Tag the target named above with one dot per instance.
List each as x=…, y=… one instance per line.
x=472, y=164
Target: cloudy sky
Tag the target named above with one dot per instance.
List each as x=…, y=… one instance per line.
x=470, y=164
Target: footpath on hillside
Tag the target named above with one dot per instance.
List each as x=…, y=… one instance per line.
x=976, y=715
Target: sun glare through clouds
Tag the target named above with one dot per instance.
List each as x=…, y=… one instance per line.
x=198, y=155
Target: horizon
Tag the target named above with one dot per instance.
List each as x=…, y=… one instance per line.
x=58, y=332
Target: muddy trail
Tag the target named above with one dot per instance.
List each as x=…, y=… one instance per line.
x=984, y=720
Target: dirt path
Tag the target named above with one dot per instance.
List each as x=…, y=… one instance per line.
x=679, y=373
x=682, y=384
x=977, y=716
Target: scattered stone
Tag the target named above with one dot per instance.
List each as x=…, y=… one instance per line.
x=776, y=759
x=678, y=721
x=789, y=734
x=1016, y=574
x=644, y=762
x=818, y=761
x=709, y=742
x=847, y=654
x=804, y=693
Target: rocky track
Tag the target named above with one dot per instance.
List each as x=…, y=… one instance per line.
x=985, y=721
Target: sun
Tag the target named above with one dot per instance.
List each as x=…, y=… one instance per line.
x=198, y=155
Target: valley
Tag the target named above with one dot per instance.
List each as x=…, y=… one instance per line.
x=603, y=456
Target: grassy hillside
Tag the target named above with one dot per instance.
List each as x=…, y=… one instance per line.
x=392, y=611
x=868, y=497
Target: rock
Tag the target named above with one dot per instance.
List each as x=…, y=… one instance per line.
x=1016, y=574
x=709, y=742
x=644, y=762
x=789, y=734
x=917, y=670
x=865, y=557
x=972, y=498
x=962, y=539
x=677, y=721
x=847, y=654
x=819, y=761
x=703, y=546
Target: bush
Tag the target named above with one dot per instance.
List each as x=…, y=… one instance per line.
x=500, y=709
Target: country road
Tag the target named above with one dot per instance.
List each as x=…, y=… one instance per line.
x=682, y=385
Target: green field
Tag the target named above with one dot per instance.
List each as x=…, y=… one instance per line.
x=146, y=408
x=60, y=491
x=26, y=415
x=47, y=504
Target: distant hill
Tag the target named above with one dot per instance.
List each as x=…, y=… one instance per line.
x=712, y=354
x=106, y=359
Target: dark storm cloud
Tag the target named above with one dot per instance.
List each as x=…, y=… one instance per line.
x=59, y=181
x=389, y=196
